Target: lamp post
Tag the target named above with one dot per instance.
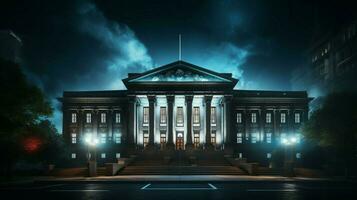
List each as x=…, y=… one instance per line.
x=92, y=160
x=289, y=144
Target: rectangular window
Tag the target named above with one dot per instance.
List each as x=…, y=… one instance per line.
x=254, y=137
x=88, y=118
x=282, y=118
x=297, y=118
x=146, y=138
x=254, y=118
x=213, y=116
x=163, y=115
x=239, y=138
x=117, y=155
x=102, y=155
x=239, y=118
x=196, y=116
x=268, y=118
x=74, y=117
x=240, y=155
x=73, y=156
x=269, y=138
x=179, y=116
x=117, y=138
x=103, y=138
x=103, y=118
x=117, y=118
x=146, y=115
x=196, y=139
x=74, y=138
x=213, y=137
x=268, y=155
x=162, y=140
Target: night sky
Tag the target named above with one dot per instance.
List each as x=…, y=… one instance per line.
x=92, y=45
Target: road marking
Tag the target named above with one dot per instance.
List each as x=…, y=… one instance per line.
x=271, y=190
x=79, y=190
x=147, y=185
x=211, y=187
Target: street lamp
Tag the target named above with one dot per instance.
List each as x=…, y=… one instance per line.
x=92, y=160
x=289, y=144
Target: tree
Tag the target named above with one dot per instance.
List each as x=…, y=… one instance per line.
x=22, y=105
x=334, y=127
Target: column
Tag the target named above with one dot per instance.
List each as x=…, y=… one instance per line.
x=170, y=117
x=208, y=100
x=110, y=124
x=228, y=108
x=188, y=100
x=131, y=120
x=152, y=100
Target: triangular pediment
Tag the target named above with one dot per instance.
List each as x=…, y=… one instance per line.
x=179, y=72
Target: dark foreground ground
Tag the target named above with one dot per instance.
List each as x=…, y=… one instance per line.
x=181, y=190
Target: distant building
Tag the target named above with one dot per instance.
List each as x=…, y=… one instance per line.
x=333, y=58
x=10, y=46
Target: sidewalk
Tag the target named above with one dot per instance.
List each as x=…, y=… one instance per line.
x=178, y=178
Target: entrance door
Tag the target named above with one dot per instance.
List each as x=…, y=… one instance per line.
x=179, y=141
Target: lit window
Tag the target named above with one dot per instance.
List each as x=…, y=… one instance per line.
x=268, y=137
x=103, y=138
x=73, y=156
x=145, y=138
x=268, y=155
x=117, y=118
x=117, y=155
x=179, y=116
x=74, y=117
x=117, y=138
x=74, y=138
x=213, y=137
x=240, y=155
x=162, y=115
x=282, y=118
x=89, y=118
x=146, y=115
x=103, y=118
x=102, y=155
x=162, y=139
x=268, y=118
x=239, y=138
x=297, y=118
x=298, y=155
x=239, y=118
x=254, y=137
x=213, y=116
x=254, y=117
x=196, y=139
x=196, y=116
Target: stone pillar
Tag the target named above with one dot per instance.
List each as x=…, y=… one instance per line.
x=228, y=108
x=131, y=121
x=208, y=100
x=110, y=124
x=152, y=100
x=170, y=117
x=188, y=100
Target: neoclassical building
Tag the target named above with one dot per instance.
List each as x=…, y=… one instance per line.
x=184, y=107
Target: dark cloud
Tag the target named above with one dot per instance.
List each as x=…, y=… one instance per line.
x=92, y=45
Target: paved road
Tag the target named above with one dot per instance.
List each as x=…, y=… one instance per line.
x=181, y=191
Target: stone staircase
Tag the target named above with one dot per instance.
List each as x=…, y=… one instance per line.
x=265, y=171
x=181, y=163
x=181, y=170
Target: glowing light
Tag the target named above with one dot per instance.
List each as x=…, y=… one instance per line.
x=32, y=144
x=90, y=140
